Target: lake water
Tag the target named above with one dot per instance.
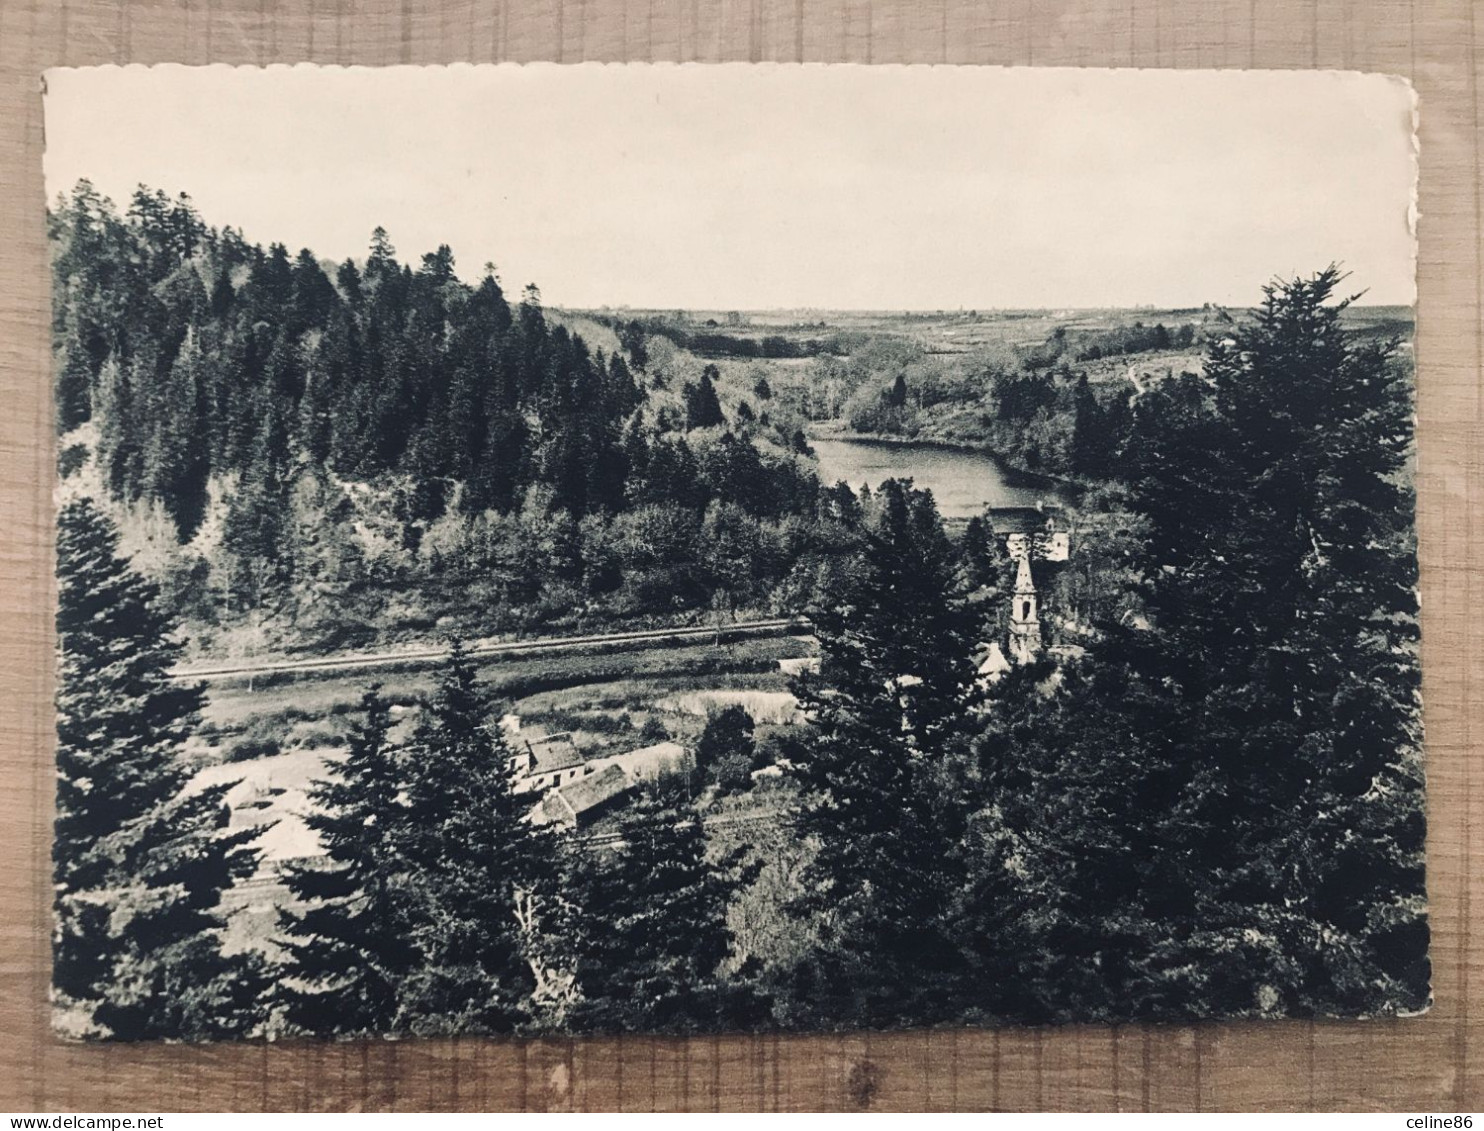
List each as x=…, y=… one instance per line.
x=962, y=482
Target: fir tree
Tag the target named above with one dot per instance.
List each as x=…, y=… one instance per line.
x=982, y=558
x=1244, y=806
x=1313, y=706
x=348, y=938
x=1079, y=900
x=140, y=864
x=74, y=385
x=381, y=260
x=476, y=865
x=631, y=339
x=176, y=459
x=1090, y=453
x=651, y=927
x=888, y=713
x=702, y=407
x=256, y=522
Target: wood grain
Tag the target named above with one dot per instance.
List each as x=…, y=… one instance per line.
x=1426, y=1064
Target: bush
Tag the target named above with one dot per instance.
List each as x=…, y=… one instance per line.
x=653, y=731
x=732, y=772
x=251, y=747
x=726, y=746
x=318, y=737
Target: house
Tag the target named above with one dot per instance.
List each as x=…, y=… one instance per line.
x=544, y=763
x=578, y=803
x=1024, y=529
x=1022, y=520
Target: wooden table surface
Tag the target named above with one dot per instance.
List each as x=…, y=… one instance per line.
x=1429, y=1064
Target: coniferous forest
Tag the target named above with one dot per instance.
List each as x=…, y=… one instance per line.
x=1199, y=795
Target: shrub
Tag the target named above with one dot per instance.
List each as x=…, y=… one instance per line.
x=727, y=739
x=653, y=731
x=251, y=747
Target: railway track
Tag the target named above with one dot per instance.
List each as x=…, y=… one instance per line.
x=780, y=626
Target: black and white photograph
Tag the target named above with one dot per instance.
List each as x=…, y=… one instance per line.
x=678, y=549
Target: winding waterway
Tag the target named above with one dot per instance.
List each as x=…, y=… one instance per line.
x=962, y=481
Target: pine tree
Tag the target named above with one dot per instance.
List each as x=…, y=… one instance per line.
x=140, y=864
x=887, y=714
x=702, y=407
x=74, y=384
x=176, y=458
x=1240, y=782
x=651, y=928
x=1315, y=702
x=1090, y=454
x=476, y=865
x=348, y=940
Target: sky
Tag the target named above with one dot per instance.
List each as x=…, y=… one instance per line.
x=750, y=187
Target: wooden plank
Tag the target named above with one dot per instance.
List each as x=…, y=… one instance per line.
x=1425, y=1063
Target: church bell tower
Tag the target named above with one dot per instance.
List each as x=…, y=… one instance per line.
x=1025, y=619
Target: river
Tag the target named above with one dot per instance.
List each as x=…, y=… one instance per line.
x=962, y=481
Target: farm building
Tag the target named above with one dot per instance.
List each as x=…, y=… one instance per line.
x=648, y=762
x=544, y=763
x=577, y=804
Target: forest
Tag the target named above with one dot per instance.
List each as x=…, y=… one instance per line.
x=1212, y=806
x=307, y=451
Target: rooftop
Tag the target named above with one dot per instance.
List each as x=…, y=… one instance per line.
x=553, y=752
x=582, y=794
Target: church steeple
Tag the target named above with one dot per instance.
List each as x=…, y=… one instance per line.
x=1025, y=619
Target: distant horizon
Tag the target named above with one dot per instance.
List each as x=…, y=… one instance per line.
x=472, y=278
x=703, y=187
x=610, y=308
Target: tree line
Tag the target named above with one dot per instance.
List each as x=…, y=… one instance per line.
x=243, y=391
x=711, y=343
